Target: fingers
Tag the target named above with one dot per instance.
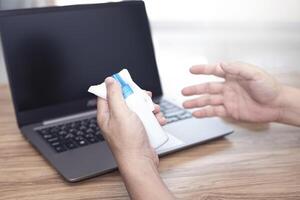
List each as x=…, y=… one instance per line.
x=215, y=70
x=211, y=111
x=209, y=88
x=241, y=70
x=149, y=93
x=156, y=109
x=160, y=118
x=102, y=111
x=115, y=98
x=159, y=115
x=204, y=101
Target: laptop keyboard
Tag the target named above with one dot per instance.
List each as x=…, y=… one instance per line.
x=172, y=112
x=80, y=133
x=72, y=135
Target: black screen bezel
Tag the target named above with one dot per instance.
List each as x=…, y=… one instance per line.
x=77, y=106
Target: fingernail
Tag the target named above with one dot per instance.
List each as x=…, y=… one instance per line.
x=109, y=80
x=191, y=69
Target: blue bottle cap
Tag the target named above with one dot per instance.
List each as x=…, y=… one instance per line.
x=126, y=89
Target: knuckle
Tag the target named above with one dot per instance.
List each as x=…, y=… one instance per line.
x=207, y=87
x=100, y=120
x=198, y=102
x=208, y=100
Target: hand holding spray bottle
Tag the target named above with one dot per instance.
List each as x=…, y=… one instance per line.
x=140, y=103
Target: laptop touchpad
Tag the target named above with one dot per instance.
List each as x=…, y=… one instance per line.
x=172, y=143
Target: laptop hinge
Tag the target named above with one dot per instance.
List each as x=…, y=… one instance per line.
x=69, y=118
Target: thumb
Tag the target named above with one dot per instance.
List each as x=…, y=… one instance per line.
x=116, y=103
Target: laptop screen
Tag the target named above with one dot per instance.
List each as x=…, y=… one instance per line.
x=54, y=54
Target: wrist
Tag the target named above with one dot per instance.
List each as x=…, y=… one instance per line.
x=129, y=156
x=289, y=108
x=280, y=104
x=131, y=162
x=142, y=179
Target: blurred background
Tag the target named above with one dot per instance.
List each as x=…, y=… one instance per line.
x=262, y=32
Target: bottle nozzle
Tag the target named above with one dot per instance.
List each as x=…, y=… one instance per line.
x=126, y=89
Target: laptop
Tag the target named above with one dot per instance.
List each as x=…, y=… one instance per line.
x=54, y=54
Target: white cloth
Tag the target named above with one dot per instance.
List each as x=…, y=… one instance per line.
x=100, y=90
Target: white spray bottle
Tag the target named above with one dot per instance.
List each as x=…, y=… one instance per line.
x=140, y=103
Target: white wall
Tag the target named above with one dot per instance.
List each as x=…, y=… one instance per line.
x=171, y=13
x=216, y=10
x=225, y=10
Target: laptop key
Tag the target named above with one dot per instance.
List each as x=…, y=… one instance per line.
x=90, y=131
x=54, y=130
x=55, y=144
x=60, y=149
x=43, y=132
x=79, y=133
x=53, y=139
x=82, y=127
x=70, y=145
x=92, y=125
x=69, y=136
x=47, y=136
x=82, y=142
x=172, y=119
x=73, y=125
x=174, y=114
x=185, y=115
x=93, y=139
x=62, y=127
x=72, y=130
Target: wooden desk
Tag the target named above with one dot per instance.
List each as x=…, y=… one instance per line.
x=256, y=162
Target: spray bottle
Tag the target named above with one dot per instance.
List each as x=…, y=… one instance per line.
x=140, y=103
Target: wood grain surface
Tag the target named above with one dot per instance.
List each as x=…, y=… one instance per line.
x=258, y=161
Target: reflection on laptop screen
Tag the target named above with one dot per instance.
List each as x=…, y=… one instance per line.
x=54, y=56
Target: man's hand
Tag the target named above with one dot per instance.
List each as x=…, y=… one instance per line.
x=126, y=137
x=122, y=129
x=247, y=94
